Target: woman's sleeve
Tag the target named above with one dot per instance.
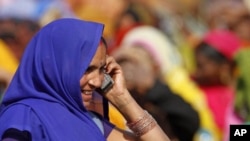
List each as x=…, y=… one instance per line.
x=108, y=127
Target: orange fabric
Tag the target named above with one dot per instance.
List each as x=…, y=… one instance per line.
x=116, y=117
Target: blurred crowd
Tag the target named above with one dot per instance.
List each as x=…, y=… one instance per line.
x=185, y=61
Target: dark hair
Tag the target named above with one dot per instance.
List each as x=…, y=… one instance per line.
x=211, y=53
x=104, y=42
x=30, y=25
x=132, y=12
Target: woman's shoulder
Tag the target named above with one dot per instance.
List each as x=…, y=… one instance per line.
x=19, y=117
x=16, y=109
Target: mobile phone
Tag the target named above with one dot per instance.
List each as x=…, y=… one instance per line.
x=107, y=83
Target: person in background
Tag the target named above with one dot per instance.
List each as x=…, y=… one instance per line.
x=18, y=24
x=169, y=63
x=240, y=25
x=16, y=33
x=60, y=64
x=240, y=113
x=8, y=66
x=242, y=99
x=230, y=15
x=133, y=16
x=17, y=27
x=5, y=78
x=216, y=73
x=176, y=117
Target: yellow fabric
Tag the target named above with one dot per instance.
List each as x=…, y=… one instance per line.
x=7, y=59
x=179, y=81
x=116, y=118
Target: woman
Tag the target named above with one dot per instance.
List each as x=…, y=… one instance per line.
x=169, y=62
x=65, y=60
x=215, y=73
x=176, y=117
x=5, y=78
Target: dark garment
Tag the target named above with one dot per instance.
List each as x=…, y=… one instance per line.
x=17, y=135
x=183, y=120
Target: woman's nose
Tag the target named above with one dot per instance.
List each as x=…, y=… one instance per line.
x=96, y=81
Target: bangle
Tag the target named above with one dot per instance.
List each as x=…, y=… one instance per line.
x=143, y=124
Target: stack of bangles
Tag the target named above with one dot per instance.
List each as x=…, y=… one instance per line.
x=143, y=124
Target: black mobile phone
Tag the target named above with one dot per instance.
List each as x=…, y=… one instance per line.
x=107, y=83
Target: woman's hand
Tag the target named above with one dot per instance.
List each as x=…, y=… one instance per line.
x=119, y=86
x=119, y=96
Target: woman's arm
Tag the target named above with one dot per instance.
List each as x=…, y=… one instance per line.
x=134, y=113
x=144, y=126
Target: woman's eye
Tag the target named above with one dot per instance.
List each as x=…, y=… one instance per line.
x=89, y=69
x=103, y=70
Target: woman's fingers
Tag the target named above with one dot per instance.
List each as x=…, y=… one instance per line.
x=112, y=66
x=114, y=69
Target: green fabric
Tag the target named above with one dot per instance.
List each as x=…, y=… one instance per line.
x=242, y=102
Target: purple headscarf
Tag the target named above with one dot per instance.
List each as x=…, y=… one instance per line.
x=44, y=97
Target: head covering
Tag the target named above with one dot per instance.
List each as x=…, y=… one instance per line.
x=223, y=41
x=48, y=82
x=156, y=43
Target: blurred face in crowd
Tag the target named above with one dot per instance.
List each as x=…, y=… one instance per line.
x=239, y=19
x=207, y=71
x=138, y=68
x=17, y=33
x=212, y=68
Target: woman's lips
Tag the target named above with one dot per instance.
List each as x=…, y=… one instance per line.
x=87, y=95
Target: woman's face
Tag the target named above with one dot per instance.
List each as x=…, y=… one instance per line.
x=207, y=71
x=94, y=75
